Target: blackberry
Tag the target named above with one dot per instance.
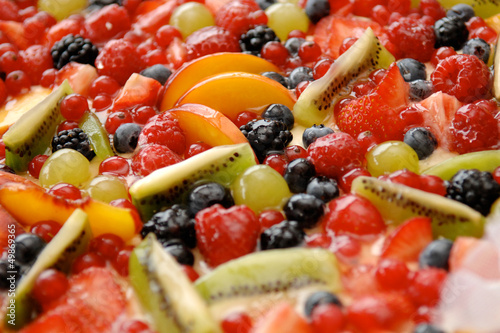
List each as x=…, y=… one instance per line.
x=98, y=4
x=298, y=173
x=206, y=195
x=304, y=208
x=450, y=31
x=478, y=47
x=312, y=133
x=179, y=251
x=422, y=141
x=266, y=136
x=317, y=9
x=73, y=48
x=318, y=298
x=436, y=254
x=323, y=188
x=254, y=39
x=298, y=75
x=173, y=223
x=477, y=189
x=280, y=112
x=74, y=139
x=411, y=69
x=282, y=235
x=420, y=90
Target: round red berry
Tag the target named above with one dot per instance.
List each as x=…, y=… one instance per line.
x=17, y=82
x=36, y=165
x=50, y=285
x=118, y=59
x=275, y=52
x=66, y=191
x=195, y=149
x=327, y=318
x=237, y=322
x=87, y=260
x=268, y=218
x=74, y=106
x=106, y=245
x=392, y=274
x=425, y=286
x=46, y=229
x=115, y=165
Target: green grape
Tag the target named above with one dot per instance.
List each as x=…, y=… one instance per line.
x=285, y=17
x=107, y=188
x=190, y=17
x=260, y=187
x=61, y=9
x=65, y=166
x=391, y=156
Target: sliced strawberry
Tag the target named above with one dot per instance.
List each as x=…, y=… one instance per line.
x=153, y=20
x=408, y=240
x=80, y=77
x=15, y=33
x=138, y=90
x=176, y=53
x=379, y=111
x=282, y=318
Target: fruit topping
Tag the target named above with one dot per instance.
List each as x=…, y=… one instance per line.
x=73, y=48
x=73, y=139
x=283, y=235
x=266, y=136
x=254, y=39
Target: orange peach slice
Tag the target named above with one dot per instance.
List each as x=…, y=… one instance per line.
x=235, y=92
x=203, y=124
x=191, y=73
x=29, y=203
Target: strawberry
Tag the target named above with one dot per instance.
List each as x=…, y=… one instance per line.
x=79, y=76
x=225, y=234
x=239, y=16
x=379, y=111
x=14, y=31
x=155, y=17
x=93, y=303
x=408, y=240
x=10, y=11
x=138, y=90
x=107, y=23
x=71, y=25
x=165, y=130
x=462, y=246
x=210, y=40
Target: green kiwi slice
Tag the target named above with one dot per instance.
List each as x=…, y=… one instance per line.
x=316, y=102
x=482, y=8
x=71, y=241
x=166, y=186
x=397, y=203
x=166, y=292
x=98, y=137
x=32, y=134
x=487, y=160
x=259, y=278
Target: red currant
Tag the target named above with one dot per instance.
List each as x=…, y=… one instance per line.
x=116, y=119
x=244, y=117
x=106, y=245
x=104, y=85
x=346, y=44
x=36, y=165
x=268, y=218
x=392, y=274
x=135, y=326
x=115, y=165
x=166, y=34
x=346, y=247
x=299, y=89
x=2, y=147
x=67, y=125
x=87, y=260
x=297, y=34
x=238, y=322
x=319, y=240
x=309, y=51
x=74, y=106
x=496, y=174
x=327, y=318
x=276, y=161
x=275, y=52
x=10, y=61
x=48, y=78
x=196, y=148
x=102, y=102
x=120, y=263
x=425, y=286
x=294, y=151
x=442, y=53
x=321, y=67
x=17, y=82
x=46, y=229
x=50, y=285
x=66, y=191
x=142, y=114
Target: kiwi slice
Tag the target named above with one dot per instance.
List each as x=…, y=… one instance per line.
x=316, y=102
x=482, y=8
x=254, y=280
x=71, y=241
x=98, y=137
x=486, y=160
x=397, y=203
x=166, y=292
x=166, y=186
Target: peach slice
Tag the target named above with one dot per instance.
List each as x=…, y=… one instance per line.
x=235, y=92
x=29, y=203
x=191, y=73
x=203, y=124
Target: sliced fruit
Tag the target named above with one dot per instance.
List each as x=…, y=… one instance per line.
x=32, y=133
x=486, y=160
x=29, y=204
x=266, y=275
x=235, y=92
x=138, y=90
x=482, y=8
x=65, y=166
x=169, y=185
x=201, y=123
x=80, y=77
x=71, y=240
x=282, y=318
x=166, y=292
x=197, y=70
x=98, y=137
x=397, y=203
x=11, y=111
x=315, y=104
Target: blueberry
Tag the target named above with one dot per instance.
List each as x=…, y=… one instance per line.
x=279, y=112
x=304, y=208
x=317, y=9
x=450, y=31
x=312, y=133
x=28, y=246
x=478, y=47
x=179, y=251
x=436, y=254
x=158, y=72
x=126, y=137
x=427, y=328
x=411, y=69
x=293, y=44
x=298, y=75
x=318, y=298
x=420, y=89
x=263, y=4
x=277, y=77
x=298, y=173
x=323, y=188
x=421, y=140
x=462, y=11
x=282, y=235
x=209, y=194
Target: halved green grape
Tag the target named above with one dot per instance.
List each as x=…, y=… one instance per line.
x=61, y=9
x=260, y=187
x=98, y=137
x=107, y=188
x=65, y=166
x=190, y=17
x=285, y=17
x=391, y=156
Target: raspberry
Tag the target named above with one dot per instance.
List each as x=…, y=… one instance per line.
x=433, y=9
x=239, y=16
x=153, y=157
x=225, y=234
x=107, y=23
x=335, y=154
x=464, y=76
x=164, y=129
x=119, y=59
x=413, y=38
x=35, y=60
x=210, y=40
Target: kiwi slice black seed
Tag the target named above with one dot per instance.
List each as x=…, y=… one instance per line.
x=166, y=292
x=397, y=203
